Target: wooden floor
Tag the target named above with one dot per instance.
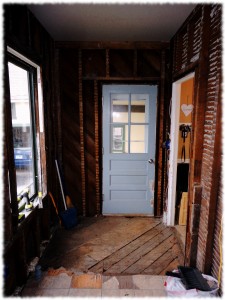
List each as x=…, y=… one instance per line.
x=115, y=245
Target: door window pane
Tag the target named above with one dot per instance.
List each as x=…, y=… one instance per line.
x=138, y=138
x=129, y=132
x=120, y=104
x=22, y=128
x=138, y=108
x=119, y=142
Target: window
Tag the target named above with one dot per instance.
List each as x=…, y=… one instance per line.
x=129, y=123
x=25, y=108
x=21, y=97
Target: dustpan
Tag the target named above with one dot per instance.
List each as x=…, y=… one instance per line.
x=191, y=278
x=69, y=215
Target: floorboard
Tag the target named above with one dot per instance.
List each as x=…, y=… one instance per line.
x=125, y=251
x=115, y=245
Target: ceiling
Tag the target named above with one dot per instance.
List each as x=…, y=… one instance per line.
x=111, y=22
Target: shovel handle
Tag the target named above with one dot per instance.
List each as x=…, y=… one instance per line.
x=173, y=274
x=60, y=181
x=53, y=201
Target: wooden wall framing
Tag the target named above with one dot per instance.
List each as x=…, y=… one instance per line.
x=72, y=108
x=92, y=66
x=24, y=34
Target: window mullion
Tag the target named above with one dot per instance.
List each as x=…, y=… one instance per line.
x=33, y=130
x=9, y=152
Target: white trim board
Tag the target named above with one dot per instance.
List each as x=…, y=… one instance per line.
x=174, y=132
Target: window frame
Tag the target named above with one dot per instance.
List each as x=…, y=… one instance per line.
x=129, y=123
x=38, y=133
x=33, y=115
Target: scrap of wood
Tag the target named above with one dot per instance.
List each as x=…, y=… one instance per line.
x=56, y=272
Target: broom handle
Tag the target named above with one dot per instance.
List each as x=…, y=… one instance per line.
x=57, y=167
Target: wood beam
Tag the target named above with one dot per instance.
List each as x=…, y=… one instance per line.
x=113, y=45
x=97, y=158
x=82, y=157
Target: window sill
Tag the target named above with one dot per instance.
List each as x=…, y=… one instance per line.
x=23, y=223
x=26, y=213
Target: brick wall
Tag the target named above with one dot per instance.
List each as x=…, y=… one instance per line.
x=197, y=47
x=211, y=141
x=217, y=243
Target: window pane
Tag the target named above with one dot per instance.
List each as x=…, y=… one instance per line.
x=138, y=138
x=138, y=108
x=22, y=128
x=120, y=104
x=118, y=139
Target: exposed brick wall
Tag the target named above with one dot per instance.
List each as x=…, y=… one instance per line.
x=197, y=47
x=210, y=141
x=217, y=247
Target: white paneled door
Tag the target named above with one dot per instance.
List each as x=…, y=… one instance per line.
x=129, y=131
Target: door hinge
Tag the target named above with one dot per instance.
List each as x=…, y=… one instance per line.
x=102, y=101
x=102, y=150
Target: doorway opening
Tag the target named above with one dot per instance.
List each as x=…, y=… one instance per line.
x=179, y=160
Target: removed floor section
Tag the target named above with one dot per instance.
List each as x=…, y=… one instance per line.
x=114, y=246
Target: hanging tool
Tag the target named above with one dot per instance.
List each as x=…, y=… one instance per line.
x=184, y=133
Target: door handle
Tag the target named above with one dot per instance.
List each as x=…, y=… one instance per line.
x=151, y=161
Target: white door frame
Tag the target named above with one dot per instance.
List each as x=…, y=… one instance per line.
x=174, y=135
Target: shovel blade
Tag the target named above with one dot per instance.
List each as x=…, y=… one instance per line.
x=69, y=218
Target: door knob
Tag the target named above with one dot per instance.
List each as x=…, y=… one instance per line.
x=151, y=161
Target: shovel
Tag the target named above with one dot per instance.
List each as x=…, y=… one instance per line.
x=69, y=215
x=56, y=209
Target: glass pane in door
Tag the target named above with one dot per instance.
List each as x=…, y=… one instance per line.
x=138, y=108
x=119, y=142
x=120, y=104
x=138, y=138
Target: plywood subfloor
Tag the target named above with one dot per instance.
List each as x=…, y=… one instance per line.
x=115, y=245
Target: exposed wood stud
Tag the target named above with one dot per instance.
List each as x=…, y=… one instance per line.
x=55, y=76
x=113, y=45
x=194, y=224
x=153, y=79
x=29, y=28
x=160, y=121
x=97, y=169
x=107, y=64
x=135, y=63
x=21, y=270
x=81, y=116
x=56, y=110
